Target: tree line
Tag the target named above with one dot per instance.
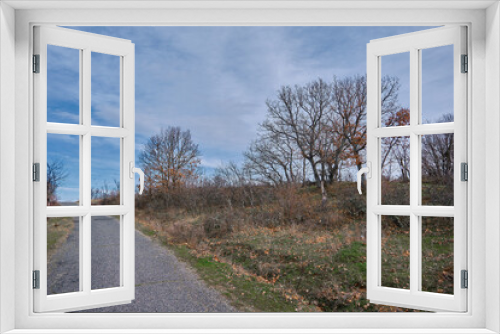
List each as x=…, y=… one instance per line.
x=311, y=133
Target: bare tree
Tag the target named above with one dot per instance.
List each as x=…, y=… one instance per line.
x=349, y=102
x=297, y=115
x=392, y=144
x=238, y=182
x=322, y=125
x=233, y=175
x=56, y=174
x=437, y=155
x=402, y=158
x=274, y=159
x=335, y=145
x=170, y=158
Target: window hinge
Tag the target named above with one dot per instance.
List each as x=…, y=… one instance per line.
x=465, y=279
x=36, y=279
x=464, y=171
x=36, y=172
x=465, y=64
x=36, y=63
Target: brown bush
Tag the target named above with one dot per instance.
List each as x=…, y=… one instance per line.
x=293, y=204
x=224, y=210
x=185, y=233
x=395, y=192
x=206, y=198
x=350, y=202
x=217, y=226
x=264, y=216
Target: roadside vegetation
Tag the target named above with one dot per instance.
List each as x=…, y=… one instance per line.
x=286, y=229
x=290, y=252
x=58, y=230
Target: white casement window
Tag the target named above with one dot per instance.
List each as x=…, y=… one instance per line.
x=84, y=293
x=474, y=214
x=422, y=215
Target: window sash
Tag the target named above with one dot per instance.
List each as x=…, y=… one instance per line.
x=87, y=43
x=414, y=298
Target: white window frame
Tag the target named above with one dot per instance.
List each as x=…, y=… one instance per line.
x=413, y=44
x=86, y=44
x=482, y=19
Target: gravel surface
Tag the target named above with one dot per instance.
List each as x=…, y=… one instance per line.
x=163, y=283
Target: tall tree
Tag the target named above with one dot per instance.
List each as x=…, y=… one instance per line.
x=299, y=114
x=321, y=124
x=170, y=159
x=349, y=102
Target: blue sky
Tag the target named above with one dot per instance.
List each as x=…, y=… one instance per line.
x=215, y=81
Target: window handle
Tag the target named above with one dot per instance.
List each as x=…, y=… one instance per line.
x=365, y=170
x=139, y=171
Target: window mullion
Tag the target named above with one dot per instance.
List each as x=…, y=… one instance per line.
x=418, y=170
x=414, y=167
x=85, y=166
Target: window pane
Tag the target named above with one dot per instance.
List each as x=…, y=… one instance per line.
x=63, y=169
x=396, y=251
x=105, y=90
x=437, y=254
x=63, y=255
x=395, y=169
x=63, y=85
x=437, y=84
x=437, y=169
x=105, y=171
x=395, y=89
x=105, y=252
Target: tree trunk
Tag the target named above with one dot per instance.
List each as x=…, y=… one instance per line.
x=323, y=194
x=323, y=188
x=333, y=173
x=317, y=178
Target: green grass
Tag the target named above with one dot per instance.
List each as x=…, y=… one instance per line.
x=354, y=257
x=318, y=273
x=284, y=271
x=395, y=257
x=244, y=292
x=437, y=251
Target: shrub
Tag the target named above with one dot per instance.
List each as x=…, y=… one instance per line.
x=217, y=226
x=350, y=202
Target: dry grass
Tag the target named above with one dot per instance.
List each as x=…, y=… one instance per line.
x=312, y=257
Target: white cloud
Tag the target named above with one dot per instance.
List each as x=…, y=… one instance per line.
x=215, y=80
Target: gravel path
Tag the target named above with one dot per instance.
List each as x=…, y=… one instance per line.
x=163, y=283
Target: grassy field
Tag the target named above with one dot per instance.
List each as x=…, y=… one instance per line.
x=313, y=263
